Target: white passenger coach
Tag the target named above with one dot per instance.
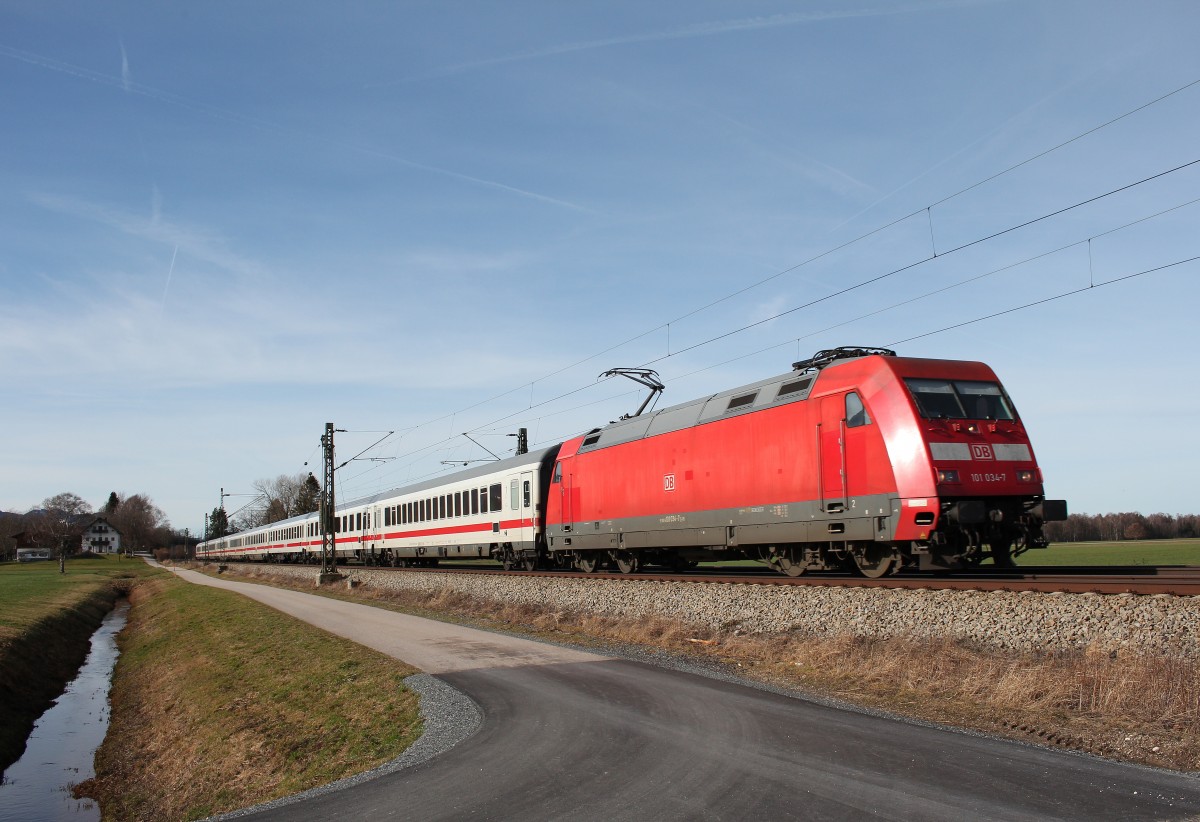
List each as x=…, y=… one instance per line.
x=491, y=510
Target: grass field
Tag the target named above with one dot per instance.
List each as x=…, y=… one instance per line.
x=1131, y=552
x=32, y=591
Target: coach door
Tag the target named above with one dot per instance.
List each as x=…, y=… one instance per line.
x=527, y=512
x=831, y=454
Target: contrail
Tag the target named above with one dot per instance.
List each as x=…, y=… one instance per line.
x=691, y=31
x=162, y=308
x=126, y=76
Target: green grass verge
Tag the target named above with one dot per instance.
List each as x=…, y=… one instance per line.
x=220, y=702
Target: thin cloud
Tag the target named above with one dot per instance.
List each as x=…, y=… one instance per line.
x=128, y=85
x=198, y=243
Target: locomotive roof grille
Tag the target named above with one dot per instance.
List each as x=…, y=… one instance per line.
x=831, y=355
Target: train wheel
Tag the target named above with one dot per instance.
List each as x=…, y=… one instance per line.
x=875, y=561
x=529, y=563
x=628, y=563
x=586, y=562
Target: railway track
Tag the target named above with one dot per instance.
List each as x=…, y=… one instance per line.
x=1140, y=580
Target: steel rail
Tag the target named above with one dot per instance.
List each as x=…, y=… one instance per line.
x=1145, y=580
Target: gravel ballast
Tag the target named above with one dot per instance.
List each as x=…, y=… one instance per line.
x=1004, y=620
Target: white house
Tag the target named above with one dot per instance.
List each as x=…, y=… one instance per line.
x=101, y=538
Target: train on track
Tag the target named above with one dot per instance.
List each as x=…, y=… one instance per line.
x=856, y=459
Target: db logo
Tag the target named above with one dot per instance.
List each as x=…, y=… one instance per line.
x=981, y=451
x=668, y=482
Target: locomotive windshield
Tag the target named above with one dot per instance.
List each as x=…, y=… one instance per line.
x=960, y=400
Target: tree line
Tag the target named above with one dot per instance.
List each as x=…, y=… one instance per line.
x=1123, y=526
x=58, y=523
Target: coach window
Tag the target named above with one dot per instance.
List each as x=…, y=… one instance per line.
x=495, y=501
x=856, y=414
x=513, y=500
x=387, y=516
x=457, y=504
x=474, y=500
x=527, y=500
x=442, y=507
x=358, y=524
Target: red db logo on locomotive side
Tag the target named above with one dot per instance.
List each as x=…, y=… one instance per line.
x=982, y=451
x=668, y=482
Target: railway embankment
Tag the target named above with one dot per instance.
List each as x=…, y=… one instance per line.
x=1025, y=622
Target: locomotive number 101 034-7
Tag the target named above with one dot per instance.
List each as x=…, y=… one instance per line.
x=989, y=477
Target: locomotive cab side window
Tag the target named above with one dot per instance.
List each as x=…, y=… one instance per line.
x=856, y=413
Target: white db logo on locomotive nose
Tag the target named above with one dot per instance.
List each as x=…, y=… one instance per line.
x=668, y=482
x=981, y=451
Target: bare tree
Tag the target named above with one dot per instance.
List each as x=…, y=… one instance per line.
x=58, y=519
x=285, y=496
x=142, y=524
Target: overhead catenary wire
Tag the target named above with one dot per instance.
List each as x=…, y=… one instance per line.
x=935, y=255
x=840, y=247
x=1088, y=287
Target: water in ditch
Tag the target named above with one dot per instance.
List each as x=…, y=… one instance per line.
x=37, y=787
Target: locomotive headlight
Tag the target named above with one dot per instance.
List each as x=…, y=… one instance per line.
x=946, y=476
x=1027, y=476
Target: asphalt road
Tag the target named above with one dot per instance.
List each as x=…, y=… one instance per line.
x=569, y=735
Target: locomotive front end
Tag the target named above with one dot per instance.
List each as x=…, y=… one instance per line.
x=981, y=492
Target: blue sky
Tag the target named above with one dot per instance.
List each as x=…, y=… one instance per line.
x=222, y=225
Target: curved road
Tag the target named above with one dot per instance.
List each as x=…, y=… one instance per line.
x=569, y=735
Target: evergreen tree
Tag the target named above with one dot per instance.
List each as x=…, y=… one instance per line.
x=218, y=524
x=309, y=498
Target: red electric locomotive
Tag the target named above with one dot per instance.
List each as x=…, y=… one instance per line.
x=857, y=458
